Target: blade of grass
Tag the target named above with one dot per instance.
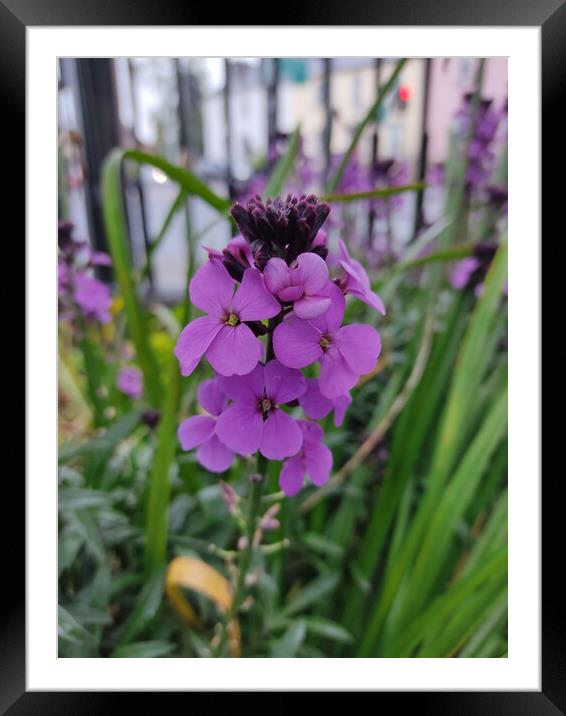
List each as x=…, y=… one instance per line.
x=284, y=166
x=433, y=619
x=116, y=230
x=452, y=507
x=374, y=193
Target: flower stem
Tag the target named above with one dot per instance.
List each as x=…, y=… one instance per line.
x=246, y=558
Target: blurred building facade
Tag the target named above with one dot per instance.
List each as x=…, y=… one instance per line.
x=216, y=116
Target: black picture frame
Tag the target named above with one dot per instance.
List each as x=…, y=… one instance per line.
x=550, y=15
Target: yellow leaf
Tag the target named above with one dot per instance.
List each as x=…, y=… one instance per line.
x=117, y=305
x=202, y=578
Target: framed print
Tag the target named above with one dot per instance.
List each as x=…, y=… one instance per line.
x=272, y=422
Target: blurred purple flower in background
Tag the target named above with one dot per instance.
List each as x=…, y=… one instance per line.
x=93, y=297
x=77, y=287
x=484, y=129
x=130, y=382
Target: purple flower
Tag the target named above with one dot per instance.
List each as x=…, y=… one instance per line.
x=63, y=278
x=130, y=382
x=280, y=228
x=100, y=258
x=356, y=280
x=303, y=284
x=462, y=274
x=223, y=336
x=255, y=420
x=345, y=353
x=200, y=430
x=93, y=297
x=314, y=460
x=317, y=406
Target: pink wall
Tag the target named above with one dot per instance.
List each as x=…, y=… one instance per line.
x=450, y=79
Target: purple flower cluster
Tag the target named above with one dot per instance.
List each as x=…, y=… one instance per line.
x=276, y=271
x=480, y=152
x=76, y=285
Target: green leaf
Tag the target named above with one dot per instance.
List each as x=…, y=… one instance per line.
x=69, y=630
x=144, y=650
x=103, y=444
x=326, y=628
x=323, y=546
x=286, y=647
x=186, y=180
x=313, y=592
x=284, y=166
x=145, y=609
x=374, y=193
x=71, y=498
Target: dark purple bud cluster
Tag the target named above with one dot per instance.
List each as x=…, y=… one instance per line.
x=283, y=229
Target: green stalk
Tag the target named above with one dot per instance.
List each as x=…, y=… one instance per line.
x=370, y=115
x=246, y=557
x=91, y=366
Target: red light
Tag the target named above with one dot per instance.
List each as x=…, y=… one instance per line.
x=404, y=93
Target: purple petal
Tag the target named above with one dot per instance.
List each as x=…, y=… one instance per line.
x=281, y=436
x=212, y=396
x=193, y=341
x=341, y=405
x=358, y=285
x=291, y=293
x=195, y=431
x=330, y=321
x=252, y=301
x=357, y=273
x=309, y=307
x=296, y=342
x=318, y=462
x=344, y=253
x=215, y=456
x=313, y=402
x=234, y=350
x=246, y=388
x=312, y=433
x=240, y=428
x=311, y=273
x=212, y=289
x=277, y=275
x=336, y=376
x=360, y=346
x=292, y=476
x=283, y=384
x=372, y=299
x=463, y=272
